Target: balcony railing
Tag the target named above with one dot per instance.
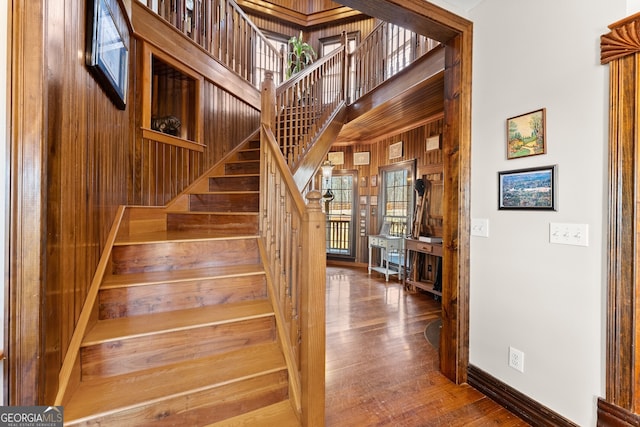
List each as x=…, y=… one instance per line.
x=224, y=30
x=387, y=50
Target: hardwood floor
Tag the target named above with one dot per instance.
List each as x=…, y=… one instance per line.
x=381, y=371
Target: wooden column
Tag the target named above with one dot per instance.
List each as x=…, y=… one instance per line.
x=28, y=203
x=621, y=50
x=312, y=316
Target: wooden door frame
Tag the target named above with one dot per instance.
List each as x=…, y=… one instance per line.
x=27, y=224
x=456, y=34
x=621, y=51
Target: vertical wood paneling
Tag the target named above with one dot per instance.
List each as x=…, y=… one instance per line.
x=414, y=148
x=86, y=177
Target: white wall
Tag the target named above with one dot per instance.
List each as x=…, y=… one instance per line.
x=545, y=299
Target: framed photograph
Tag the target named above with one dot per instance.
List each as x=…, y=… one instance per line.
x=374, y=180
x=374, y=200
x=361, y=158
x=363, y=200
x=107, y=54
x=336, y=157
x=395, y=150
x=363, y=181
x=433, y=143
x=528, y=189
x=526, y=135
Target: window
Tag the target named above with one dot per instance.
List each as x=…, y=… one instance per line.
x=400, y=48
x=330, y=44
x=265, y=62
x=397, y=197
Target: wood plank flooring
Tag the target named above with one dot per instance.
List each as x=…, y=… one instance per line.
x=381, y=371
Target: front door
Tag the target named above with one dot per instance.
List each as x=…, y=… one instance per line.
x=341, y=215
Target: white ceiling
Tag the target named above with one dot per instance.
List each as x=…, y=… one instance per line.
x=464, y=5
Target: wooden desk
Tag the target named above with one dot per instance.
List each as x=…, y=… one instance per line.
x=417, y=246
x=387, y=246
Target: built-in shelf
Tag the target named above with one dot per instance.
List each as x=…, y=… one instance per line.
x=171, y=104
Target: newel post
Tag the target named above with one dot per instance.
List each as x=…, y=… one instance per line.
x=268, y=101
x=313, y=285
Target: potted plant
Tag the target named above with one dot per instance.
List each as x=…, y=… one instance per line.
x=300, y=55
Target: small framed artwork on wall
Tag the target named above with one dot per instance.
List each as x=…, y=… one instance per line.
x=107, y=51
x=527, y=189
x=526, y=134
x=361, y=158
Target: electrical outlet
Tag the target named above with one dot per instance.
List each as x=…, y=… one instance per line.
x=516, y=359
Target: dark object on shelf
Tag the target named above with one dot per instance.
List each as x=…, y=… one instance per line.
x=167, y=124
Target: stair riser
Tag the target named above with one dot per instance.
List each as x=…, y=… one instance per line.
x=217, y=224
x=234, y=183
x=240, y=202
x=249, y=155
x=166, y=256
x=164, y=297
x=139, y=353
x=240, y=168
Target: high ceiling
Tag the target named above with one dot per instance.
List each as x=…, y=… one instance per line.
x=464, y=5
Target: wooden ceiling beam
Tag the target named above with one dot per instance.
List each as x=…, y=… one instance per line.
x=439, y=24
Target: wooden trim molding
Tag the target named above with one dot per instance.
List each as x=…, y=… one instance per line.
x=27, y=202
x=613, y=415
x=620, y=49
x=623, y=40
x=521, y=405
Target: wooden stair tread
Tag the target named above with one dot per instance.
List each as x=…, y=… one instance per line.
x=221, y=213
x=240, y=175
x=104, y=396
x=172, y=276
x=148, y=324
x=279, y=414
x=168, y=236
x=225, y=193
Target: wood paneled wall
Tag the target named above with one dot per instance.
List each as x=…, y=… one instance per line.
x=313, y=37
x=161, y=171
x=93, y=159
x=428, y=163
x=86, y=176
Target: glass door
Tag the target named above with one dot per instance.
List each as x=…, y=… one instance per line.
x=341, y=213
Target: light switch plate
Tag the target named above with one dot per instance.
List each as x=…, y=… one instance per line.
x=480, y=227
x=569, y=234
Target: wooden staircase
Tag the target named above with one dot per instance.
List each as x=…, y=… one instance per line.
x=183, y=332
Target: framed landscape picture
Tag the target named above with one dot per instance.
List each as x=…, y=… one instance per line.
x=527, y=189
x=526, y=135
x=107, y=55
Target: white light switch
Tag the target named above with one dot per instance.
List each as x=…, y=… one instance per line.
x=480, y=227
x=569, y=234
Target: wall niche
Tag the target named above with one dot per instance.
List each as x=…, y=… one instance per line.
x=171, y=110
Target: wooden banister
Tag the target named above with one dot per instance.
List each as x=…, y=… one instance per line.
x=293, y=236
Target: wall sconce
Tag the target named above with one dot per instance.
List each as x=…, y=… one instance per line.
x=327, y=171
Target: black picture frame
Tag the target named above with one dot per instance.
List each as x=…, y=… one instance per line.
x=528, y=189
x=107, y=54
